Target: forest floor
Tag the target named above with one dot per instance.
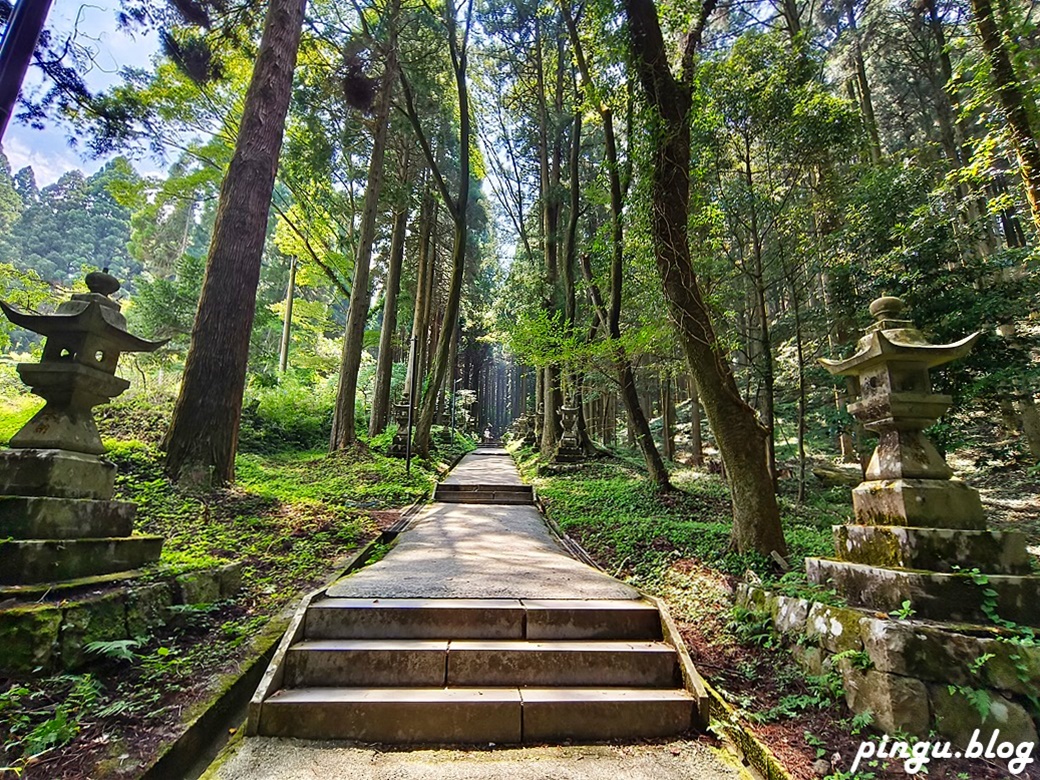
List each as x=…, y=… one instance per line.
x=292, y=519
x=677, y=546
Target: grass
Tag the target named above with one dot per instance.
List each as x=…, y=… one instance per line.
x=615, y=513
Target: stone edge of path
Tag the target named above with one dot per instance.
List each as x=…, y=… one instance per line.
x=207, y=732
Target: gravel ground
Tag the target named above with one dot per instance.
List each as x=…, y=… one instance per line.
x=263, y=758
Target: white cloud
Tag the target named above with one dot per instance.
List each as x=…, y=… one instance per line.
x=45, y=151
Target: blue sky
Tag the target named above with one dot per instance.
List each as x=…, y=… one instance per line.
x=94, y=27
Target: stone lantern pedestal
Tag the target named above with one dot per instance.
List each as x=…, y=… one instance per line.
x=919, y=533
x=57, y=516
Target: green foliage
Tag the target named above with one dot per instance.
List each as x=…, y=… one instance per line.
x=36, y=726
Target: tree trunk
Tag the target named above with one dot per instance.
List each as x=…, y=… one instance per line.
x=459, y=208
x=1014, y=101
x=344, y=431
x=667, y=418
x=696, y=443
x=385, y=362
x=290, y=294
x=427, y=217
x=638, y=427
x=741, y=439
x=202, y=439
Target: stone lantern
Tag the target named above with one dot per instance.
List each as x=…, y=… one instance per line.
x=908, y=482
x=399, y=446
x=569, y=448
x=918, y=531
x=55, y=488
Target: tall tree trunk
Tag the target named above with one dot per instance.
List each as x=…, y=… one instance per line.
x=202, y=438
x=459, y=208
x=385, y=361
x=667, y=418
x=865, y=98
x=638, y=427
x=1014, y=101
x=740, y=437
x=290, y=295
x=696, y=443
x=344, y=431
x=610, y=315
x=427, y=218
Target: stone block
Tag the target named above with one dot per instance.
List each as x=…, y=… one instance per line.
x=811, y=658
x=957, y=717
x=934, y=549
x=898, y=704
x=229, y=577
x=751, y=597
x=1013, y=667
x=834, y=628
x=101, y=619
x=925, y=652
x=923, y=503
x=790, y=614
x=147, y=608
x=933, y=595
x=43, y=517
x=29, y=638
x=57, y=473
x=198, y=587
x=28, y=561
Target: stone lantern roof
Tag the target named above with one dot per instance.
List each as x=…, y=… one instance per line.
x=894, y=340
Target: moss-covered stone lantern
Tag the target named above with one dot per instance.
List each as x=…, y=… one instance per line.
x=919, y=534
x=55, y=487
x=84, y=339
x=908, y=482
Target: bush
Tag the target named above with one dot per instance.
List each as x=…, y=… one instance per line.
x=295, y=414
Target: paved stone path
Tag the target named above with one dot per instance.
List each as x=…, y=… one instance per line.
x=477, y=551
x=480, y=551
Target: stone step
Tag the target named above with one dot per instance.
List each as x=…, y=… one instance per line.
x=563, y=663
x=455, y=619
x=596, y=714
x=592, y=619
x=933, y=549
x=932, y=595
x=475, y=715
x=453, y=487
x=487, y=497
x=465, y=664
x=349, y=618
x=394, y=715
x=41, y=517
x=372, y=663
x=27, y=561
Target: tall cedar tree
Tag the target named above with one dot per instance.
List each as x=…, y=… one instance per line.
x=1013, y=100
x=741, y=438
x=203, y=435
x=344, y=432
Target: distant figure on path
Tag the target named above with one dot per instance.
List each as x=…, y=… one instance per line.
x=487, y=435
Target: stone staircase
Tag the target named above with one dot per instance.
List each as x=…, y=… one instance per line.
x=474, y=671
x=483, y=494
